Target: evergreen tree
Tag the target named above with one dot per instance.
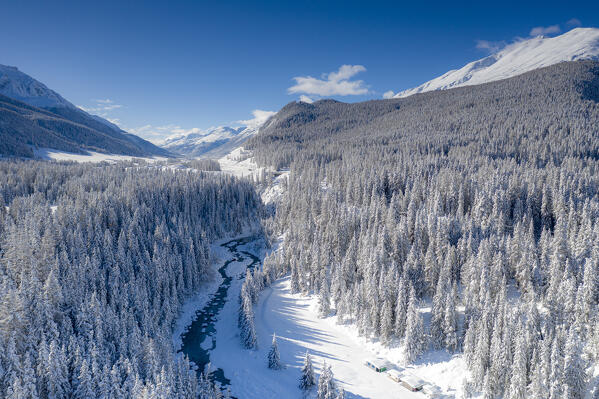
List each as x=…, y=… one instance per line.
x=574, y=368
x=307, y=379
x=274, y=359
x=414, y=341
x=326, y=385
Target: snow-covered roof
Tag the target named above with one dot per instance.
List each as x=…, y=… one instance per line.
x=412, y=380
x=394, y=373
x=430, y=388
x=379, y=363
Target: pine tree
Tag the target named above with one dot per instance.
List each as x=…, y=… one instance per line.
x=324, y=300
x=401, y=309
x=246, y=323
x=307, y=379
x=518, y=383
x=326, y=385
x=414, y=341
x=574, y=368
x=274, y=359
x=450, y=321
x=386, y=327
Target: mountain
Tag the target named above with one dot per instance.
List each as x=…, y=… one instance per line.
x=518, y=58
x=561, y=100
x=20, y=86
x=32, y=115
x=216, y=142
x=213, y=143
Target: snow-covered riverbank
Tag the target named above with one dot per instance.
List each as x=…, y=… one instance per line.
x=294, y=319
x=188, y=311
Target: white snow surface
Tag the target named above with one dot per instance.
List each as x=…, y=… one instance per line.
x=240, y=163
x=298, y=328
x=518, y=58
x=20, y=86
x=90, y=156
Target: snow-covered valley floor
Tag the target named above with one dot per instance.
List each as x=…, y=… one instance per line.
x=294, y=320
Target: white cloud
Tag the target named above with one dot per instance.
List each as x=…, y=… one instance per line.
x=260, y=116
x=574, y=22
x=153, y=132
x=388, y=94
x=490, y=46
x=306, y=99
x=101, y=107
x=157, y=134
x=333, y=83
x=545, y=30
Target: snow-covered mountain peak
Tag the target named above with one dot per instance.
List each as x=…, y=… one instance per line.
x=517, y=58
x=20, y=86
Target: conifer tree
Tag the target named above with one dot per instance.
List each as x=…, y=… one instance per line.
x=274, y=359
x=307, y=379
x=414, y=341
x=326, y=385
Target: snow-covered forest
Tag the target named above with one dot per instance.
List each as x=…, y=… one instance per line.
x=479, y=204
x=95, y=262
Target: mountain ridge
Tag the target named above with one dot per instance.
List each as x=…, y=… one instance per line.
x=517, y=58
x=33, y=115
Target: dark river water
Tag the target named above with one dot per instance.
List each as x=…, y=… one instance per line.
x=202, y=328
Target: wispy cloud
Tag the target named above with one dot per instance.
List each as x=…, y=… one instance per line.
x=260, y=116
x=157, y=134
x=306, y=99
x=490, y=46
x=574, y=22
x=101, y=107
x=388, y=94
x=331, y=84
x=545, y=30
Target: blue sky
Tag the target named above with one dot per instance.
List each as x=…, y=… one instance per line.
x=159, y=67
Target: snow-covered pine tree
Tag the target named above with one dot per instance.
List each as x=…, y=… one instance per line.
x=401, y=308
x=326, y=385
x=274, y=358
x=518, y=379
x=247, y=329
x=307, y=379
x=324, y=300
x=386, y=327
x=415, y=338
x=450, y=321
x=575, y=378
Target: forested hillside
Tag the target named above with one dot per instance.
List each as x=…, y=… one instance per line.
x=480, y=203
x=95, y=262
x=24, y=127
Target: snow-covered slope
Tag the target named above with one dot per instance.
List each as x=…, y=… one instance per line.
x=20, y=86
x=216, y=142
x=518, y=58
x=213, y=143
x=34, y=116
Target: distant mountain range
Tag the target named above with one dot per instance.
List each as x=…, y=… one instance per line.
x=213, y=143
x=518, y=58
x=216, y=142
x=32, y=115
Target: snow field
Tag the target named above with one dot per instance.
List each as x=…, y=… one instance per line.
x=293, y=318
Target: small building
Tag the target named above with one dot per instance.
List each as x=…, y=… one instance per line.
x=432, y=391
x=377, y=365
x=395, y=375
x=412, y=382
